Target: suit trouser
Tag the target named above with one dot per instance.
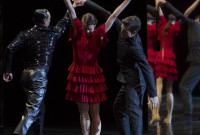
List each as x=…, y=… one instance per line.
x=187, y=85
x=128, y=109
x=34, y=82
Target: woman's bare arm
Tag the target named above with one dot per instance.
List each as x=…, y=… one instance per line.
x=115, y=14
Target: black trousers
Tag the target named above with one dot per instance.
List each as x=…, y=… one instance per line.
x=128, y=109
x=34, y=82
x=187, y=84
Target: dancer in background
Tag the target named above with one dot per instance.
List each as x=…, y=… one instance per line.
x=86, y=83
x=166, y=67
x=192, y=75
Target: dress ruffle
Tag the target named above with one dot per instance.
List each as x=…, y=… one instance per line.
x=86, y=88
x=152, y=56
x=169, y=75
x=86, y=84
x=166, y=66
x=85, y=69
x=152, y=60
x=85, y=78
x=86, y=98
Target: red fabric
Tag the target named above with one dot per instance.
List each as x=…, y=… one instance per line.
x=151, y=42
x=86, y=82
x=166, y=59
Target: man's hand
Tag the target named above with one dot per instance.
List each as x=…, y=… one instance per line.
x=78, y=3
x=154, y=101
x=159, y=3
x=7, y=77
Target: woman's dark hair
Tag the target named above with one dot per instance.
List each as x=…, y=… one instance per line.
x=166, y=28
x=89, y=19
x=40, y=15
x=150, y=16
x=133, y=23
x=170, y=18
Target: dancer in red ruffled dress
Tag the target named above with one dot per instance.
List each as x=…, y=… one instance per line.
x=166, y=67
x=86, y=83
x=86, y=80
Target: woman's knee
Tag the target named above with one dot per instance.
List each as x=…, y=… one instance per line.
x=84, y=115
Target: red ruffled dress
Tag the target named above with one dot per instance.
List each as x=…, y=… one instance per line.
x=86, y=82
x=166, y=59
x=151, y=43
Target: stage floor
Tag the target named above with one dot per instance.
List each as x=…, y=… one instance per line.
x=176, y=128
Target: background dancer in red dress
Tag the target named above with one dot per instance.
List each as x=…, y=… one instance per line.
x=166, y=67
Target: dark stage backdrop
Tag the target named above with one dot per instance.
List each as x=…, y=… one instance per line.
x=17, y=16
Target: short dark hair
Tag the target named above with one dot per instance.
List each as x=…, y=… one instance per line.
x=89, y=19
x=150, y=16
x=40, y=15
x=171, y=17
x=133, y=23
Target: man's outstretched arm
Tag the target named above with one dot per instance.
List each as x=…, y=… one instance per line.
x=94, y=8
x=152, y=10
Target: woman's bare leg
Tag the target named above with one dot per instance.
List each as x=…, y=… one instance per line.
x=169, y=102
x=96, y=121
x=155, y=112
x=84, y=118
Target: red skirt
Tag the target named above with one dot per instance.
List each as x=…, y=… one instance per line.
x=152, y=60
x=166, y=65
x=86, y=84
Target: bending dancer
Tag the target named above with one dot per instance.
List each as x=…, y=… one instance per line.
x=86, y=83
x=192, y=75
x=38, y=44
x=135, y=73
